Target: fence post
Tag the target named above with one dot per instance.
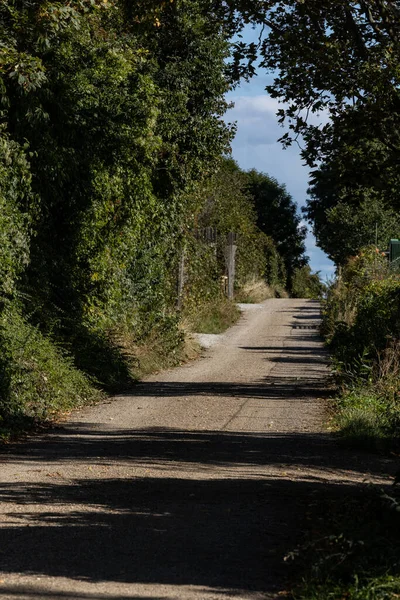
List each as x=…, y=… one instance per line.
x=181, y=279
x=230, y=253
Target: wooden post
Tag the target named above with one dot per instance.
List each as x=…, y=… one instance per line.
x=181, y=280
x=230, y=253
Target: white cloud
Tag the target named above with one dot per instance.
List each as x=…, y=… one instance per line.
x=258, y=115
x=256, y=119
x=256, y=104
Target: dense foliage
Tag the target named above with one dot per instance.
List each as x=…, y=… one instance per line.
x=306, y=284
x=362, y=325
x=110, y=116
x=111, y=138
x=336, y=66
x=277, y=217
x=354, y=198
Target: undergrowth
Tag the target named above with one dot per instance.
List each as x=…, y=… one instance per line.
x=362, y=327
x=367, y=409
x=353, y=550
x=214, y=316
x=37, y=380
x=255, y=291
x=40, y=381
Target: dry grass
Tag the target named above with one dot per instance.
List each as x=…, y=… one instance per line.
x=280, y=292
x=214, y=316
x=388, y=363
x=255, y=291
x=155, y=352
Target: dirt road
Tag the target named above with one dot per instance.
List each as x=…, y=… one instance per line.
x=193, y=487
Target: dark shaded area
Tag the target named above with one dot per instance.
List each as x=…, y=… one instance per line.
x=217, y=533
x=98, y=356
x=299, y=350
x=168, y=447
x=25, y=592
x=220, y=533
x=269, y=388
x=295, y=354
x=214, y=533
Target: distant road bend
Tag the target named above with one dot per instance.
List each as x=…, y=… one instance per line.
x=193, y=487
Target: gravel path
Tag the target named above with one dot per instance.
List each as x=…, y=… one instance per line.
x=192, y=487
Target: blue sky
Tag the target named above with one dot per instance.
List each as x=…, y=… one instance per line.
x=255, y=146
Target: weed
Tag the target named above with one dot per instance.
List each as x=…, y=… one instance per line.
x=254, y=291
x=213, y=317
x=356, y=556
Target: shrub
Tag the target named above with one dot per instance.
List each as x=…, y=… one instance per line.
x=37, y=379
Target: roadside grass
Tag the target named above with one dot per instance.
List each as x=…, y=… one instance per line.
x=366, y=413
x=254, y=291
x=157, y=350
x=37, y=380
x=215, y=316
x=352, y=549
x=40, y=382
x=280, y=292
x=352, y=546
x=367, y=419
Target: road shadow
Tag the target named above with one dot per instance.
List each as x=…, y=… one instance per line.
x=23, y=593
x=165, y=448
x=181, y=528
x=218, y=532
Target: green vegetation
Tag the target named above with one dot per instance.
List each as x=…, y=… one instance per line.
x=214, y=317
x=335, y=67
x=362, y=325
x=277, y=217
x=352, y=549
x=37, y=379
x=113, y=181
x=112, y=168
x=306, y=284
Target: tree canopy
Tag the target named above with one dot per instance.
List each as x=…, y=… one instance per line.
x=336, y=68
x=112, y=141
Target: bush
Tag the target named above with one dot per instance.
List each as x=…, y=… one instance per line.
x=362, y=325
x=306, y=284
x=37, y=379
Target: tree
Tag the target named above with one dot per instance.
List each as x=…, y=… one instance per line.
x=336, y=66
x=228, y=205
x=277, y=217
x=336, y=56
x=349, y=209
x=306, y=284
x=119, y=107
x=352, y=194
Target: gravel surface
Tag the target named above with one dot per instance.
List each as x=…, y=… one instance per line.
x=194, y=486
